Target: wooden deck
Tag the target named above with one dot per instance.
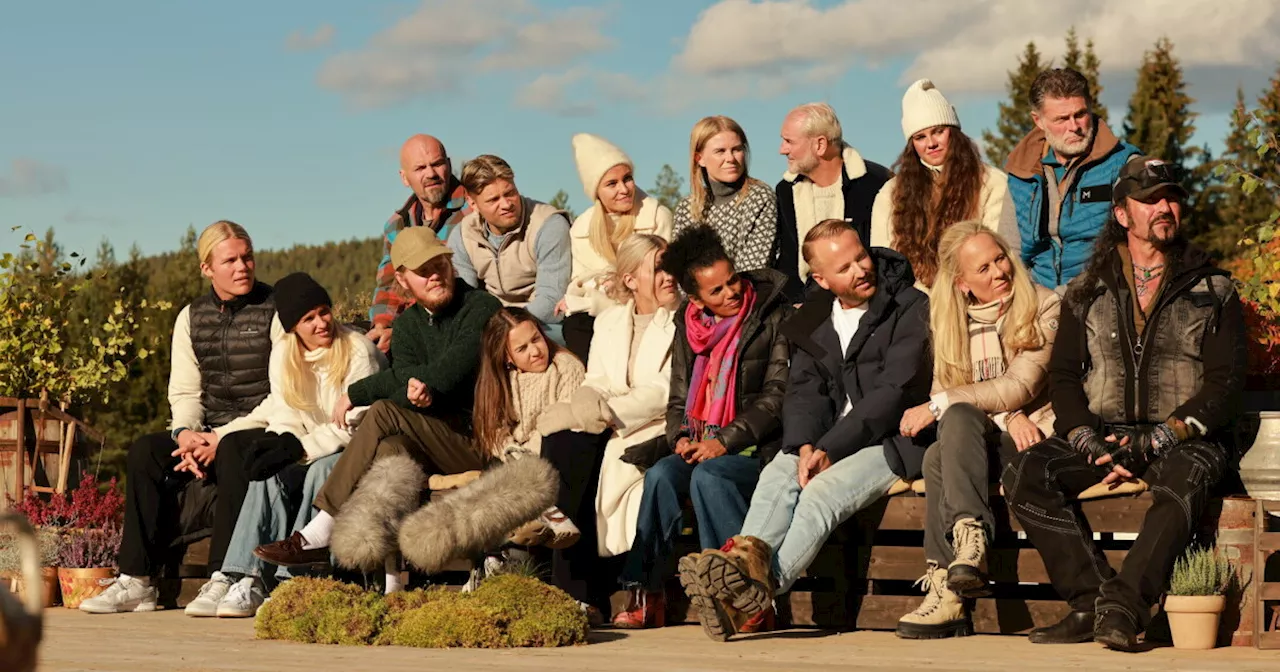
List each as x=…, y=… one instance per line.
x=169, y=641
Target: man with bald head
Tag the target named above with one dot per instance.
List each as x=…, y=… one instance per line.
x=438, y=202
x=825, y=179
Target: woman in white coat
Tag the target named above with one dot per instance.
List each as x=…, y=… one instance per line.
x=618, y=209
x=619, y=411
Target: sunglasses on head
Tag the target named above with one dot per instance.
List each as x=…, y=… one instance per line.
x=1155, y=173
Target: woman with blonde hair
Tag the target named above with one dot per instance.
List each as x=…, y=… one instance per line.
x=311, y=366
x=218, y=374
x=619, y=209
x=615, y=424
x=993, y=331
x=742, y=210
x=941, y=180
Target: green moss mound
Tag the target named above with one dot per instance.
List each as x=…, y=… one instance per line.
x=505, y=611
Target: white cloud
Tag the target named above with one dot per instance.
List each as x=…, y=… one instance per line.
x=31, y=177
x=318, y=39
x=966, y=46
x=433, y=48
x=550, y=93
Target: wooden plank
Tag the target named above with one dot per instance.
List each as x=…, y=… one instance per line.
x=1268, y=640
x=20, y=463
x=1268, y=542
x=1269, y=591
x=1114, y=514
x=1004, y=565
x=997, y=617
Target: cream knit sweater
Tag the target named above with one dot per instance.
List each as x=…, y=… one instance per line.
x=531, y=393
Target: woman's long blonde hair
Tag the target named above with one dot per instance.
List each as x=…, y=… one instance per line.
x=631, y=253
x=948, y=308
x=300, y=380
x=703, y=131
x=606, y=234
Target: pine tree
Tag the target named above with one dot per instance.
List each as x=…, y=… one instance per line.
x=1235, y=210
x=1015, y=115
x=1269, y=114
x=1160, y=121
x=561, y=202
x=1087, y=64
x=668, y=188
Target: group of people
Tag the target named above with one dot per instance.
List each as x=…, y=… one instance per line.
x=780, y=358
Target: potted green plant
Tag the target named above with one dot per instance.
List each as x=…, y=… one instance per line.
x=1197, y=597
x=11, y=564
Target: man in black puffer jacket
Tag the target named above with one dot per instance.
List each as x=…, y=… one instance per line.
x=724, y=412
x=862, y=359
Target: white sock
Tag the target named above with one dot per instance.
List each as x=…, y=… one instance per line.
x=144, y=580
x=318, y=531
x=392, y=567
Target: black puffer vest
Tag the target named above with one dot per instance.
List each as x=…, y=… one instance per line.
x=232, y=342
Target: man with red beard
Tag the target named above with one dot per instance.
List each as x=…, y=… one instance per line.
x=1145, y=380
x=861, y=359
x=1060, y=177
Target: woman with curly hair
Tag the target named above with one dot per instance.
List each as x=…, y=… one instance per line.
x=940, y=181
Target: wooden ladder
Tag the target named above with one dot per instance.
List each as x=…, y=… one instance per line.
x=62, y=446
x=1265, y=544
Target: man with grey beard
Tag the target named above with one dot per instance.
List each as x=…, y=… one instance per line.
x=1061, y=176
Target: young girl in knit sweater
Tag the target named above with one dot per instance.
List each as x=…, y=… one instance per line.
x=310, y=368
x=522, y=373
x=993, y=331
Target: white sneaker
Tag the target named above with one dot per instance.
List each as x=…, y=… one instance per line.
x=124, y=594
x=243, y=600
x=211, y=593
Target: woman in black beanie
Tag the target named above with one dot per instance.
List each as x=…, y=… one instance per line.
x=311, y=367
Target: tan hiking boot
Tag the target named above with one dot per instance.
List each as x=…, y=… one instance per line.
x=941, y=614
x=740, y=574
x=965, y=575
x=719, y=620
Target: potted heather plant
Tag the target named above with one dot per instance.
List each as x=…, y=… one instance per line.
x=1197, y=597
x=86, y=528
x=11, y=564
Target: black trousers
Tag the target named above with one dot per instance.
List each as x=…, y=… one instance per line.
x=577, y=456
x=162, y=506
x=578, y=330
x=1040, y=486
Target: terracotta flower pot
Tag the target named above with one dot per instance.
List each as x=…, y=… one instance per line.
x=79, y=585
x=48, y=589
x=1193, y=619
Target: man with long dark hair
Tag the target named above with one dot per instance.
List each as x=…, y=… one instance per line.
x=1145, y=380
x=1060, y=177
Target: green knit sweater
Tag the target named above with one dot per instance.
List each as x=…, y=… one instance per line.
x=441, y=350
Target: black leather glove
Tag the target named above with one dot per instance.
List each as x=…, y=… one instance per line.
x=1136, y=453
x=271, y=453
x=646, y=454
x=1086, y=441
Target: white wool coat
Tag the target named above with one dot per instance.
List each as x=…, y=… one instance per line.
x=639, y=410
x=585, y=293
x=315, y=428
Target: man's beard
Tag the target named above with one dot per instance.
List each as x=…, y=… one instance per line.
x=434, y=195
x=1171, y=241
x=806, y=166
x=1067, y=146
x=439, y=299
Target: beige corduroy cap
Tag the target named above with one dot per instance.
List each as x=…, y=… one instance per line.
x=924, y=106
x=595, y=156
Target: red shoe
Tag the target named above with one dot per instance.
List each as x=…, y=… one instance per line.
x=644, y=610
x=761, y=622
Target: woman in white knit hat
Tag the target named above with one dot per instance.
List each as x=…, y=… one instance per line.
x=941, y=180
x=619, y=208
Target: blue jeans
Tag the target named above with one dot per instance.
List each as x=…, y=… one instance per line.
x=796, y=522
x=720, y=489
x=264, y=517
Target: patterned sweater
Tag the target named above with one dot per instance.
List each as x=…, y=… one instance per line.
x=747, y=223
x=531, y=393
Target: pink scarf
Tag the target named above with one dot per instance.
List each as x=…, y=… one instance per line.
x=713, y=387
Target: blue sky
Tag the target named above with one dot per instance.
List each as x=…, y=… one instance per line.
x=131, y=120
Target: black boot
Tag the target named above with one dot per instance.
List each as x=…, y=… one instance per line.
x=1115, y=630
x=1077, y=627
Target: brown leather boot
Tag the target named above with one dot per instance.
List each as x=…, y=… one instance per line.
x=740, y=574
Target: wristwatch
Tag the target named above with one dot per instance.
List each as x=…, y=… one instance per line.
x=933, y=408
